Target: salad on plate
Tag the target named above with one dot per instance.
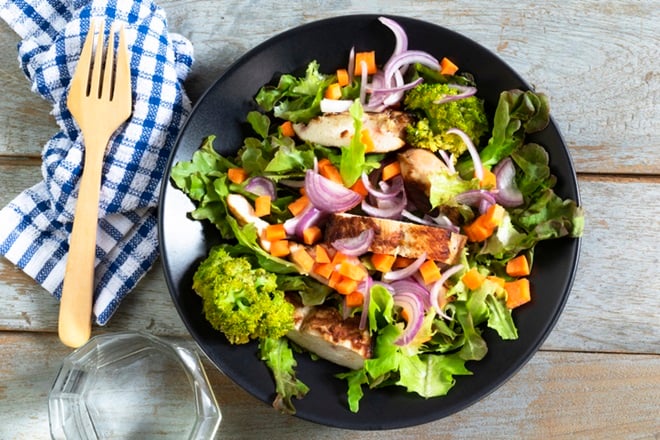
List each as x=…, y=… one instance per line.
x=377, y=217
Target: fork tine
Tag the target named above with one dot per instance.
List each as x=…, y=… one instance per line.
x=107, y=85
x=122, y=87
x=80, y=79
x=97, y=68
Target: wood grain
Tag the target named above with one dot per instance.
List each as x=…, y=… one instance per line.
x=604, y=90
x=596, y=376
x=610, y=224
x=562, y=403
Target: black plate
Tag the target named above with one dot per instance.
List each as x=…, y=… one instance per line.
x=183, y=242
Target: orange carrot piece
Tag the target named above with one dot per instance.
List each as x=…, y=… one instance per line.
x=275, y=232
x=346, y=286
x=484, y=226
x=329, y=171
x=334, y=278
x=367, y=140
x=497, y=280
x=369, y=58
x=286, y=128
x=298, y=205
x=354, y=299
x=447, y=67
x=382, y=262
x=359, y=188
x=324, y=269
x=342, y=77
x=236, y=175
x=279, y=248
x=352, y=271
x=302, y=258
x=517, y=293
x=338, y=258
x=262, y=206
x=517, y=267
x=473, y=278
x=489, y=180
x=333, y=91
x=321, y=254
x=402, y=262
x=311, y=235
x=390, y=170
x=430, y=272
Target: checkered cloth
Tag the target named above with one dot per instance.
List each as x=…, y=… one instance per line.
x=35, y=226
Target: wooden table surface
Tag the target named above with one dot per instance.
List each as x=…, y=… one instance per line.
x=596, y=376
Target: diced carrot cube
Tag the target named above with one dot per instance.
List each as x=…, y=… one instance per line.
x=279, y=248
x=262, y=206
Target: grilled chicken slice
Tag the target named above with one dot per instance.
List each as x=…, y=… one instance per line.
x=387, y=129
x=417, y=164
x=322, y=331
x=243, y=212
x=398, y=238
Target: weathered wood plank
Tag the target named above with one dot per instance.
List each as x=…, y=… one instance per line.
x=619, y=236
x=598, y=61
x=563, y=402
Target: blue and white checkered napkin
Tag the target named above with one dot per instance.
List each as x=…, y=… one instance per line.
x=35, y=226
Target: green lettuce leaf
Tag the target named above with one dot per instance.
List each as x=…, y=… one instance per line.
x=277, y=354
x=518, y=113
x=297, y=99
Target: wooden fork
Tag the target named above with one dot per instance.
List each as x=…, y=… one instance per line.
x=100, y=101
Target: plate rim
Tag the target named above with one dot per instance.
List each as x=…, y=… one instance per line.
x=521, y=361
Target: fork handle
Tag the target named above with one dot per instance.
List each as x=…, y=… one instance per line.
x=75, y=315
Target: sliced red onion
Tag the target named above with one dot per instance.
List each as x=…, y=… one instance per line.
x=442, y=221
x=308, y=218
x=261, y=186
x=408, y=57
x=448, y=160
x=406, y=271
x=355, y=246
x=394, y=89
x=410, y=285
x=415, y=310
x=335, y=105
x=478, y=167
x=415, y=219
x=329, y=196
x=401, y=38
x=508, y=194
x=463, y=92
x=438, y=288
x=389, y=192
x=363, y=82
x=351, y=64
x=390, y=208
x=474, y=197
x=365, y=289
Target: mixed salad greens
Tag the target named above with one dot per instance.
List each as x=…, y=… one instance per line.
x=484, y=187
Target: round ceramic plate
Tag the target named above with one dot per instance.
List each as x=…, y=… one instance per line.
x=184, y=242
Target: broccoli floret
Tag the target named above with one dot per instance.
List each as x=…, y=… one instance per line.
x=242, y=302
x=433, y=120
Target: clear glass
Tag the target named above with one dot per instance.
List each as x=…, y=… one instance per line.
x=132, y=385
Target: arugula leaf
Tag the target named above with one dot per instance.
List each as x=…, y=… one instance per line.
x=296, y=99
x=279, y=357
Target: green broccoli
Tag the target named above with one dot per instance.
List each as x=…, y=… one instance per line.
x=242, y=302
x=433, y=120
